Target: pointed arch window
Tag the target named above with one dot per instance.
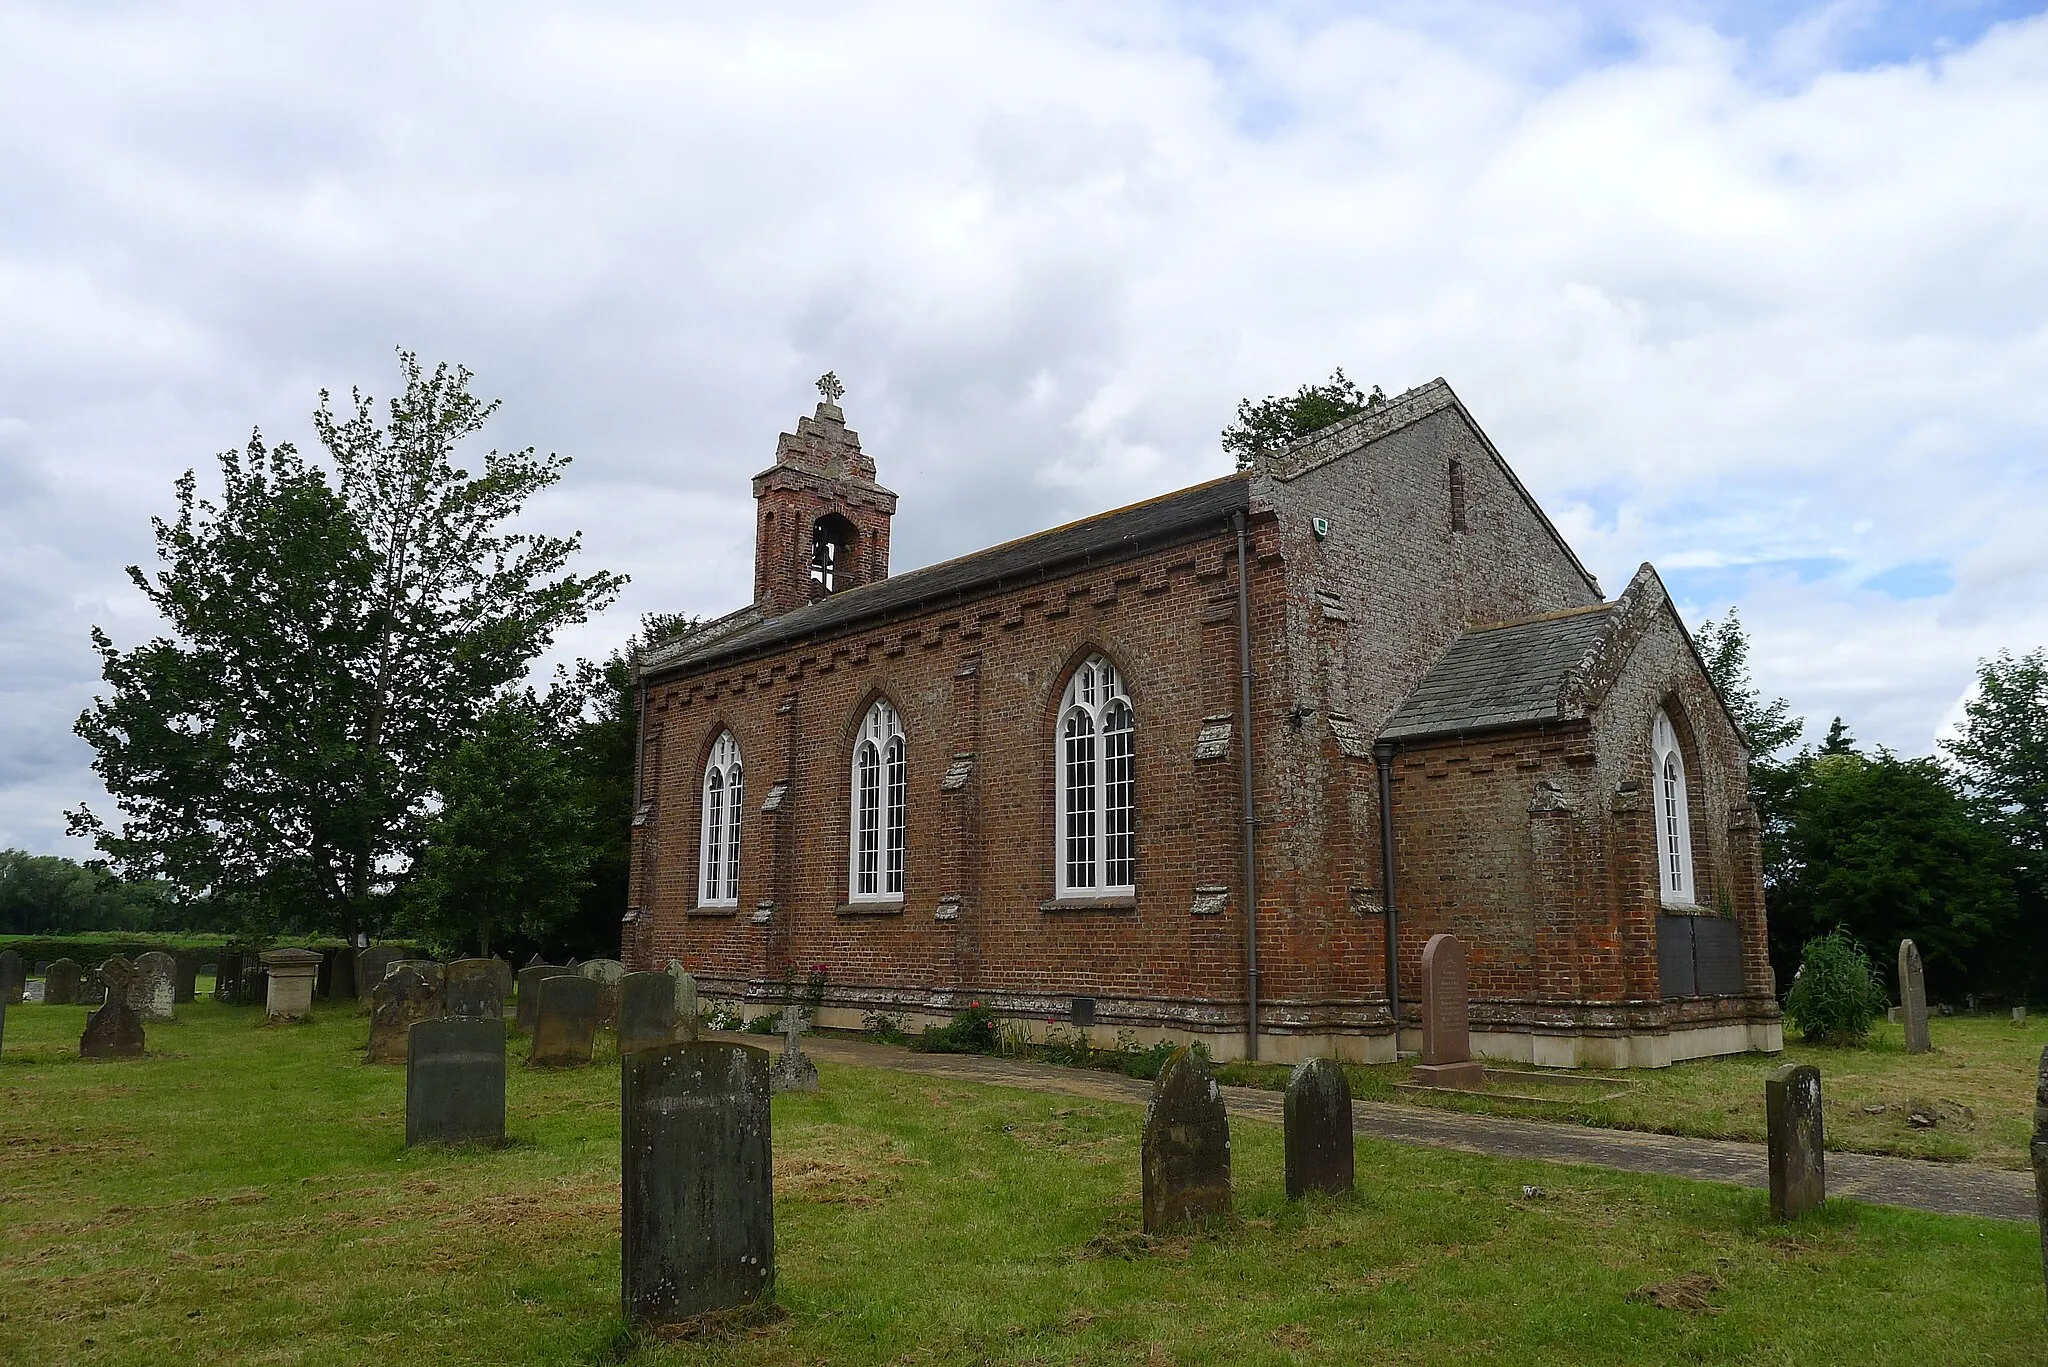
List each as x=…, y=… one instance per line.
x=879, y=804
x=1095, y=831
x=1674, y=820
x=718, y=863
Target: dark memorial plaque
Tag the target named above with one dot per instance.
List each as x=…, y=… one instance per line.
x=13, y=977
x=697, y=1214
x=1792, y=1124
x=529, y=993
x=1184, y=1157
x=647, y=1011
x=402, y=1000
x=115, y=1030
x=1446, y=1019
x=1317, y=1134
x=564, y=1022
x=455, y=1081
x=1675, y=976
x=60, y=983
x=472, y=988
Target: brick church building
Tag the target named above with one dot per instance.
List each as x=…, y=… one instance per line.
x=1187, y=768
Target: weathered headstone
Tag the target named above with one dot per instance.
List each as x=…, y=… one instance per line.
x=3, y=1022
x=60, y=983
x=405, y=997
x=2038, y=1151
x=115, y=1030
x=341, y=976
x=371, y=966
x=606, y=974
x=1792, y=1126
x=185, y=986
x=1446, y=1019
x=92, y=988
x=564, y=1023
x=1913, y=998
x=455, y=1081
x=697, y=1212
x=686, y=1000
x=529, y=992
x=1317, y=1132
x=647, y=1011
x=13, y=977
x=155, y=993
x=474, y=988
x=292, y=976
x=1184, y=1157
x=794, y=1071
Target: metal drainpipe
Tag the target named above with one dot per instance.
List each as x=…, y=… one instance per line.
x=1251, y=868
x=1383, y=760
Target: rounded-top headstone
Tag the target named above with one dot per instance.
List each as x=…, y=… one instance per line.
x=1185, y=1153
x=155, y=993
x=1794, y=1141
x=61, y=982
x=1317, y=1133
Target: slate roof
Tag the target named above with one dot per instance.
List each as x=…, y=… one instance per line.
x=1109, y=536
x=1508, y=675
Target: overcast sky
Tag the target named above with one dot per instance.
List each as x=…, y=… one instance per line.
x=1757, y=292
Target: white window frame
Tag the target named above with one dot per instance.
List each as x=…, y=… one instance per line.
x=877, y=828
x=1095, y=844
x=724, y=795
x=1671, y=814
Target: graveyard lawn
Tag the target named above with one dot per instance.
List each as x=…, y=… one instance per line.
x=242, y=1195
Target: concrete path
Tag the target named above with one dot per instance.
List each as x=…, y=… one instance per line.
x=1943, y=1188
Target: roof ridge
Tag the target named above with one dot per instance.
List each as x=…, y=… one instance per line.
x=1561, y=613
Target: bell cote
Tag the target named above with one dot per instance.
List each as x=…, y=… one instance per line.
x=821, y=523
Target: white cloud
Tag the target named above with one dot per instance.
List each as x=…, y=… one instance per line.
x=1737, y=299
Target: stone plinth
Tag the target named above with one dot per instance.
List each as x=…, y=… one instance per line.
x=1792, y=1123
x=564, y=1022
x=292, y=973
x=1317, y=1136
x=455, y=1081
x=1913, y=998
x=1184, y=1156
x=697, y=1218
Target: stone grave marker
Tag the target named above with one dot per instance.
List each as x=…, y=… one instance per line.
x=92, y=988
x=1184, y=1157
x=13, y=977
x=529, y=993
x=455, y=1081
x=1317, y=1135
x=647, y=1011
x=227, y=978
x=474, y=989
x=686, y=1000
x=1913, y=998
x=115, y=1030
x=2038, y=1152
x=697, y=1217
x=564, y=1022
x=1446, y=1019
x=606, y=974
x=292, y=975
x=405, y=997
x=155, y=993
x=1792, y=1123
x=794, y=1071
x=371, y=966
x=341, y=977
x=60, y=983
x=3, y=1021
x=185, y=986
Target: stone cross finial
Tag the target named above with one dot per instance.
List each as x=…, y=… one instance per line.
x=792, y=1028
x=829, y=386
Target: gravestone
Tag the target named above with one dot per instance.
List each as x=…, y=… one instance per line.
x=647, y=1011
x=1184, y=1157
x=60, y=983
x=474, y=989
x=686, y=1000
x=1913, y=998
x=405, y=997
x=155, y=993
x=697, y=1215
x=2019, y=1015
x=115, y=1030
x=341, y=977
x=606, y=974
x=529, y=993
x=455, y=1081
x=1446, y=1019
x=291, y=977
x=794, y=1071
x=227, y=978
x=185, y=986
x=13, y=977
x=92, y=988
x=1317, y=1134
x=1792, y=1123
x=371, y=966
x=564, y=1022
x=2038, y=1151
x=3, y=1022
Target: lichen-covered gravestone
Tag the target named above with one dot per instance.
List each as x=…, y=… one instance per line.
x=697, y=1214
x=1792, y=1126
x=2039, y=1153
x=564, y=1022
x=401, y=1000
x=13, y=977
x=1317, y=1135
x=794, y=1071
x=1446, y=1019
x=474, y=989
x=528, y=1002
x=455, y=1081
x=647, y=1011
x=686, y=1000
x=155, y=993
x=1913, y=998
x=60, y=983
x=1184, y=1157
x=115, y=1030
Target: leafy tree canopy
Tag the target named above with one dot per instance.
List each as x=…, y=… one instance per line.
x=47, y=894
x=1767, y=727
x=1278, y=419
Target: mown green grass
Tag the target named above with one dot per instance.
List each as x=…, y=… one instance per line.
x=243, y=1195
